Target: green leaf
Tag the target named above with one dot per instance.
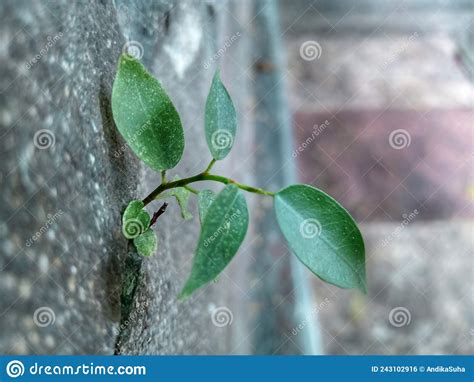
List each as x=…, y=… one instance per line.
x=322, y=235
x=220, y=119
x=135, y=219
x=145, y=116
x=182, y=197
x=222, y=233
x=205, y=198
x=146, y=243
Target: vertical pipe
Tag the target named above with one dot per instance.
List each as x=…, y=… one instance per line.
x=274, y=170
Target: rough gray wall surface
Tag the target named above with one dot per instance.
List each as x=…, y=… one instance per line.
x=61, y=287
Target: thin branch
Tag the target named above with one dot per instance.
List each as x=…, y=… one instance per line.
x=158, y=213
x=199, y=178
x=213, y=161
x=191, y=189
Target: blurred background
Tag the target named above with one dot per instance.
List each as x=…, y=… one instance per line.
x=369, y=100
x=381, y=96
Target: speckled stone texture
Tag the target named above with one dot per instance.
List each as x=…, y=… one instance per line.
x=61, y=249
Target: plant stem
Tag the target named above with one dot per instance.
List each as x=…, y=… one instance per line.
x=163, y=176
x=158, y=213
x=213, y=161
x=191, y=189
x=199, y=178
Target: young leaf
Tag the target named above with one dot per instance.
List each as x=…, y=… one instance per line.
x=135, y=220
x=145, y=116
x=146, y=243
x=222, y=232
x=205, y=198
x=182, y=196
x=322, y=235
x=220, y=119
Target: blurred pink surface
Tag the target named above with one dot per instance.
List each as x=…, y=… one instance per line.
x=352, y=160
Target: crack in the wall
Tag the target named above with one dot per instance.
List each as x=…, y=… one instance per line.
x=131, y=271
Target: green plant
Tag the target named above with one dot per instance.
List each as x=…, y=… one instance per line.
x=320, y=232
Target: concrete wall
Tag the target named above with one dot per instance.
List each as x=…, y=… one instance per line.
x=61, y=289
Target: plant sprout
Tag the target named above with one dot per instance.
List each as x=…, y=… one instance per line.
x=319, y=231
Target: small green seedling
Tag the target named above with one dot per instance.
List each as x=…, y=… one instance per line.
x=319, y=231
